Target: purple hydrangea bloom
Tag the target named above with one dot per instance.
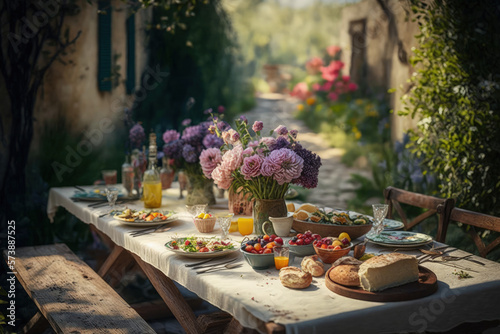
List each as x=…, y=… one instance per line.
x=281, y=142
x=309, y=176
x=189, y=153
x=211, y=140
x=257, y=126
x=186, y=122
x=294, y=133
x=284, y=165
x=170, y=135
x=223, y=126
x=173, y=150
x=281, y=130
x=251, y=166
x=194, y=135
x=137, y=136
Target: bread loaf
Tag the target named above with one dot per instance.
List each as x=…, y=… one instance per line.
x=308, y=207
x=290, y=207
x=310, y=264
x=345, y=274
x=387, y=271
x=301, y=215
x=294, y=278
x=315, y=218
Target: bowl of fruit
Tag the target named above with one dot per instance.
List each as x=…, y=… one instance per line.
x=302, y=243
x=258, y=252
x=330, y=249
x=204, y=222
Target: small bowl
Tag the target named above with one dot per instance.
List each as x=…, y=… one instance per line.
x=331, y=255
x=302, y=250
x=205, y=225
x=259, y=261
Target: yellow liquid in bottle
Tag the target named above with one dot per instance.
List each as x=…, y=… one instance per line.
x=152, y=194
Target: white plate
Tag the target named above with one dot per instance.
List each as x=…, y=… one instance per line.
x=400, y=239
x=391, y=224
x=143, y=223
x=401, y=245
x=204, y=255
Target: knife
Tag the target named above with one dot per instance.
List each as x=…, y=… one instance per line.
x=213, y=264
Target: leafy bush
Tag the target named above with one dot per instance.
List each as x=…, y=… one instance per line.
x=456, y=94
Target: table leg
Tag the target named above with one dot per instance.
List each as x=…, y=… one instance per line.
x=171, y=296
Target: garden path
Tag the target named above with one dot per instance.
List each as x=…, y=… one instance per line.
x=333, y=189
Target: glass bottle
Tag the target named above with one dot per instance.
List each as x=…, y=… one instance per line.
x=151, y=180
x=128, y=176
x=166, y=174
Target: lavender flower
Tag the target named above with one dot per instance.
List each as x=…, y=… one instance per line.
x=222, y=126
x=243, y=119
x=212, y=140
x=173, y=150
x=251, y=166
x=209, y=159
x=137, y=136
x=189, y=153
x=207, y=111
x=309, y=176
x=280, y=143
x=193, y=135
x=294, y=133
x=284, y=165
x=257, y=126
x=186, y=122
x=281, y=130
x=170, y=135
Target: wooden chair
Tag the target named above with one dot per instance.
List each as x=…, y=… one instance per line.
x=476, y=219
x=394, y=196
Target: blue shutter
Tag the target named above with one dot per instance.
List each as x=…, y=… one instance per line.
x=104, y=45
x=130, y=83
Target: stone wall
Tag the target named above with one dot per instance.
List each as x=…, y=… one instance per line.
x=376, y=46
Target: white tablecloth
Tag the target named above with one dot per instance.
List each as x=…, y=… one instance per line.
x=256, y=297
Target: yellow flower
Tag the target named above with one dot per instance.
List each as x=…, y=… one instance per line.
x=310, y=101
x=300, y=107
x=357, y=133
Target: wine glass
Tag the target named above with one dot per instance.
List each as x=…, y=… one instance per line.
x=379, y=213
x=112, y=195
x=224, y=221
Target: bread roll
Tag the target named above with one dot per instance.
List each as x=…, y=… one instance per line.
x=345, y=274
x=308, y=207
x=310, y=264
x=294, y=278
x=290, y=207
x=301, y=215
x=347, y=260
x=315, y=218
x=387, y=271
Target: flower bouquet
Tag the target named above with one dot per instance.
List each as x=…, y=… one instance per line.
x=184, y=151
x=261, y=167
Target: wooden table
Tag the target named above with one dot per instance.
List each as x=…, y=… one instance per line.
x=256, y=299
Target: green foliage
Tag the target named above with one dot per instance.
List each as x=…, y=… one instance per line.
x=203, y=64
x=456, y=94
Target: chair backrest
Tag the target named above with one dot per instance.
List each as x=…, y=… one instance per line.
x=480, y=220
x=394, y=196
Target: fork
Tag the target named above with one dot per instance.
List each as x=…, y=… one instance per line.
x=146, y=231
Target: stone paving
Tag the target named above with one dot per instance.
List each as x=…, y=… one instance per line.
x=333, y=188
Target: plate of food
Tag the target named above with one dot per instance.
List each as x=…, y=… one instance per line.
x=92, y=195
x=132, y=217
x=201, y=247
x=391, y=224
x=400, y=239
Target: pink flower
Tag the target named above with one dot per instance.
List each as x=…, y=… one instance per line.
x=222, y=176
x=235, y=136
x=257, y=126
x=268, y=141
x=301, y=91
x=226, y=137
x=170, y=135
x=221, y=109
x=331, y=72
x=332, y=50
x=281, y=130
x=346, y=78
x=352, y=87
x=209, y=159
x=233, y=158
x=294, y=133
x=316, y=86
x=314, y=64
x=251, y=166
x=333, y=96
x=326, y=86
x=247, y=152
x=284, y=165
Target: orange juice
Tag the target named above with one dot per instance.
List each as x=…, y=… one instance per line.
x=152, y=194
x=280, y=262
x=245, y=226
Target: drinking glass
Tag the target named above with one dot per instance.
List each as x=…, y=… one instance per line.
x=224, y=221
x=195, y=210
x=281, y=257
x=245, y=226
x=109, y=176
x=379, y=213
x=112, y=195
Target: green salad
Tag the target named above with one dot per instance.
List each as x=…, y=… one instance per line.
x=201, y=245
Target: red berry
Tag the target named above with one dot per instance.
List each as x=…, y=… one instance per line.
x=271, y=239
x=274, y=236
x=292, y=242
x=278, y=240
x=187, y=243
x=345, y=241
x=316, y=236
x=299, y=235
x=300, y=242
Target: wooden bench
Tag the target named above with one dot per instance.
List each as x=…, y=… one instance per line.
x=70, y=295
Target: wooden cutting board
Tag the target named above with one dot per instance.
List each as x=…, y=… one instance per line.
x=425, y=286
